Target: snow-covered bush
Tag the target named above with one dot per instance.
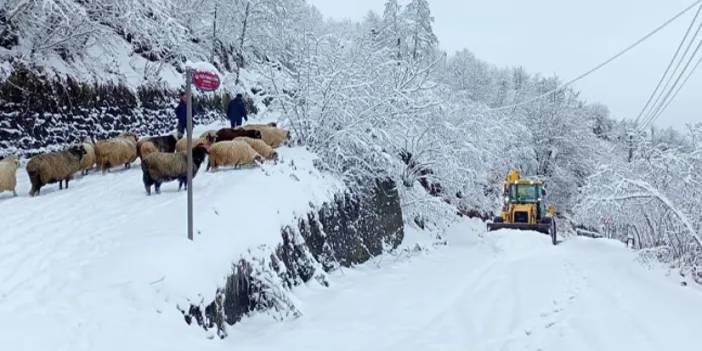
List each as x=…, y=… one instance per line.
x=652, y=198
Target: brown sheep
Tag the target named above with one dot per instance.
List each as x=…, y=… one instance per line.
x=182, y=144
x=117, y=151
x=88, y=160
x=228, y=134
x=54, y=167
x=163, y=167
x=271, y=124
x=261, y=147
x=8, y=174
x=273, y=136
x=232, y=153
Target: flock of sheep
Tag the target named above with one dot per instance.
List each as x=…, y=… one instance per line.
x=163, y=158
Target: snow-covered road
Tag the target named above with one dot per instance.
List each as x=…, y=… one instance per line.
x=508, y=290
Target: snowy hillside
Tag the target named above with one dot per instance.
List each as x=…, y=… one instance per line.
x=102, y=264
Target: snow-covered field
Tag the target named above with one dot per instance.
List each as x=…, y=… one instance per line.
x=101, y=266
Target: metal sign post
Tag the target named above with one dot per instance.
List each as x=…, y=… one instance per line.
x=206, y=81
x=189, y=127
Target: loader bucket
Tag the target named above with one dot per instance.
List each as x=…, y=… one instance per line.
x=542, y=228
x=545, y=228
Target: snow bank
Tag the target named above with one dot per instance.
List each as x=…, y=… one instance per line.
x=87, y=266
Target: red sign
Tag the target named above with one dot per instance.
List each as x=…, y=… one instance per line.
x=207, y=81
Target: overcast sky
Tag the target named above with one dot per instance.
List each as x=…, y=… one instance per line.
x=566, y=38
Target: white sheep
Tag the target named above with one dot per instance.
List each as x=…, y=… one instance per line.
x=261, y=147
x=273, y=136
x=232, y=153
x=88, y=160
x=116, y=151
x=8, y=174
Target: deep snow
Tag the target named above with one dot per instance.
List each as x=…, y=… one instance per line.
x=102, y=267
x=505, y=290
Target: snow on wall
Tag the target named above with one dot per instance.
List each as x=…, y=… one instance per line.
x=39, y=114
x=44, y=111
x=350, y=230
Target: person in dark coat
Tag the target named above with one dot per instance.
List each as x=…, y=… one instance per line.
x=182, y=113
x=236, y=111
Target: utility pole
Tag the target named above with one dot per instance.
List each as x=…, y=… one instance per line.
x=631, y=146
x=189, y=127
x=242, y=40
x=214, y=34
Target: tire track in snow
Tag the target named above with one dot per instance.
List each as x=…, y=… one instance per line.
x=505, y=291
x=447, y=317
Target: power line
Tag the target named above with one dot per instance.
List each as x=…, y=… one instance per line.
x=670, y=65
x=659, y=103
x=666, y=100
x=683, y=83
x=598, y=67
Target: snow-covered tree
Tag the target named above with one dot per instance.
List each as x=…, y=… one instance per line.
x=654, y=199
x=391, y=34
x=422, y=40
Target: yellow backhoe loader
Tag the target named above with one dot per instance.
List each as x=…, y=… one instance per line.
x=524, y=207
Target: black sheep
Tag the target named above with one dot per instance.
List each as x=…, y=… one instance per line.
x=227, y=134
x=161, y=167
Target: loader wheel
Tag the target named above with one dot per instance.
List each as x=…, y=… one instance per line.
x=553, y=233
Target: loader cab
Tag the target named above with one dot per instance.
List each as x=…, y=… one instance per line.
x=525, y=192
